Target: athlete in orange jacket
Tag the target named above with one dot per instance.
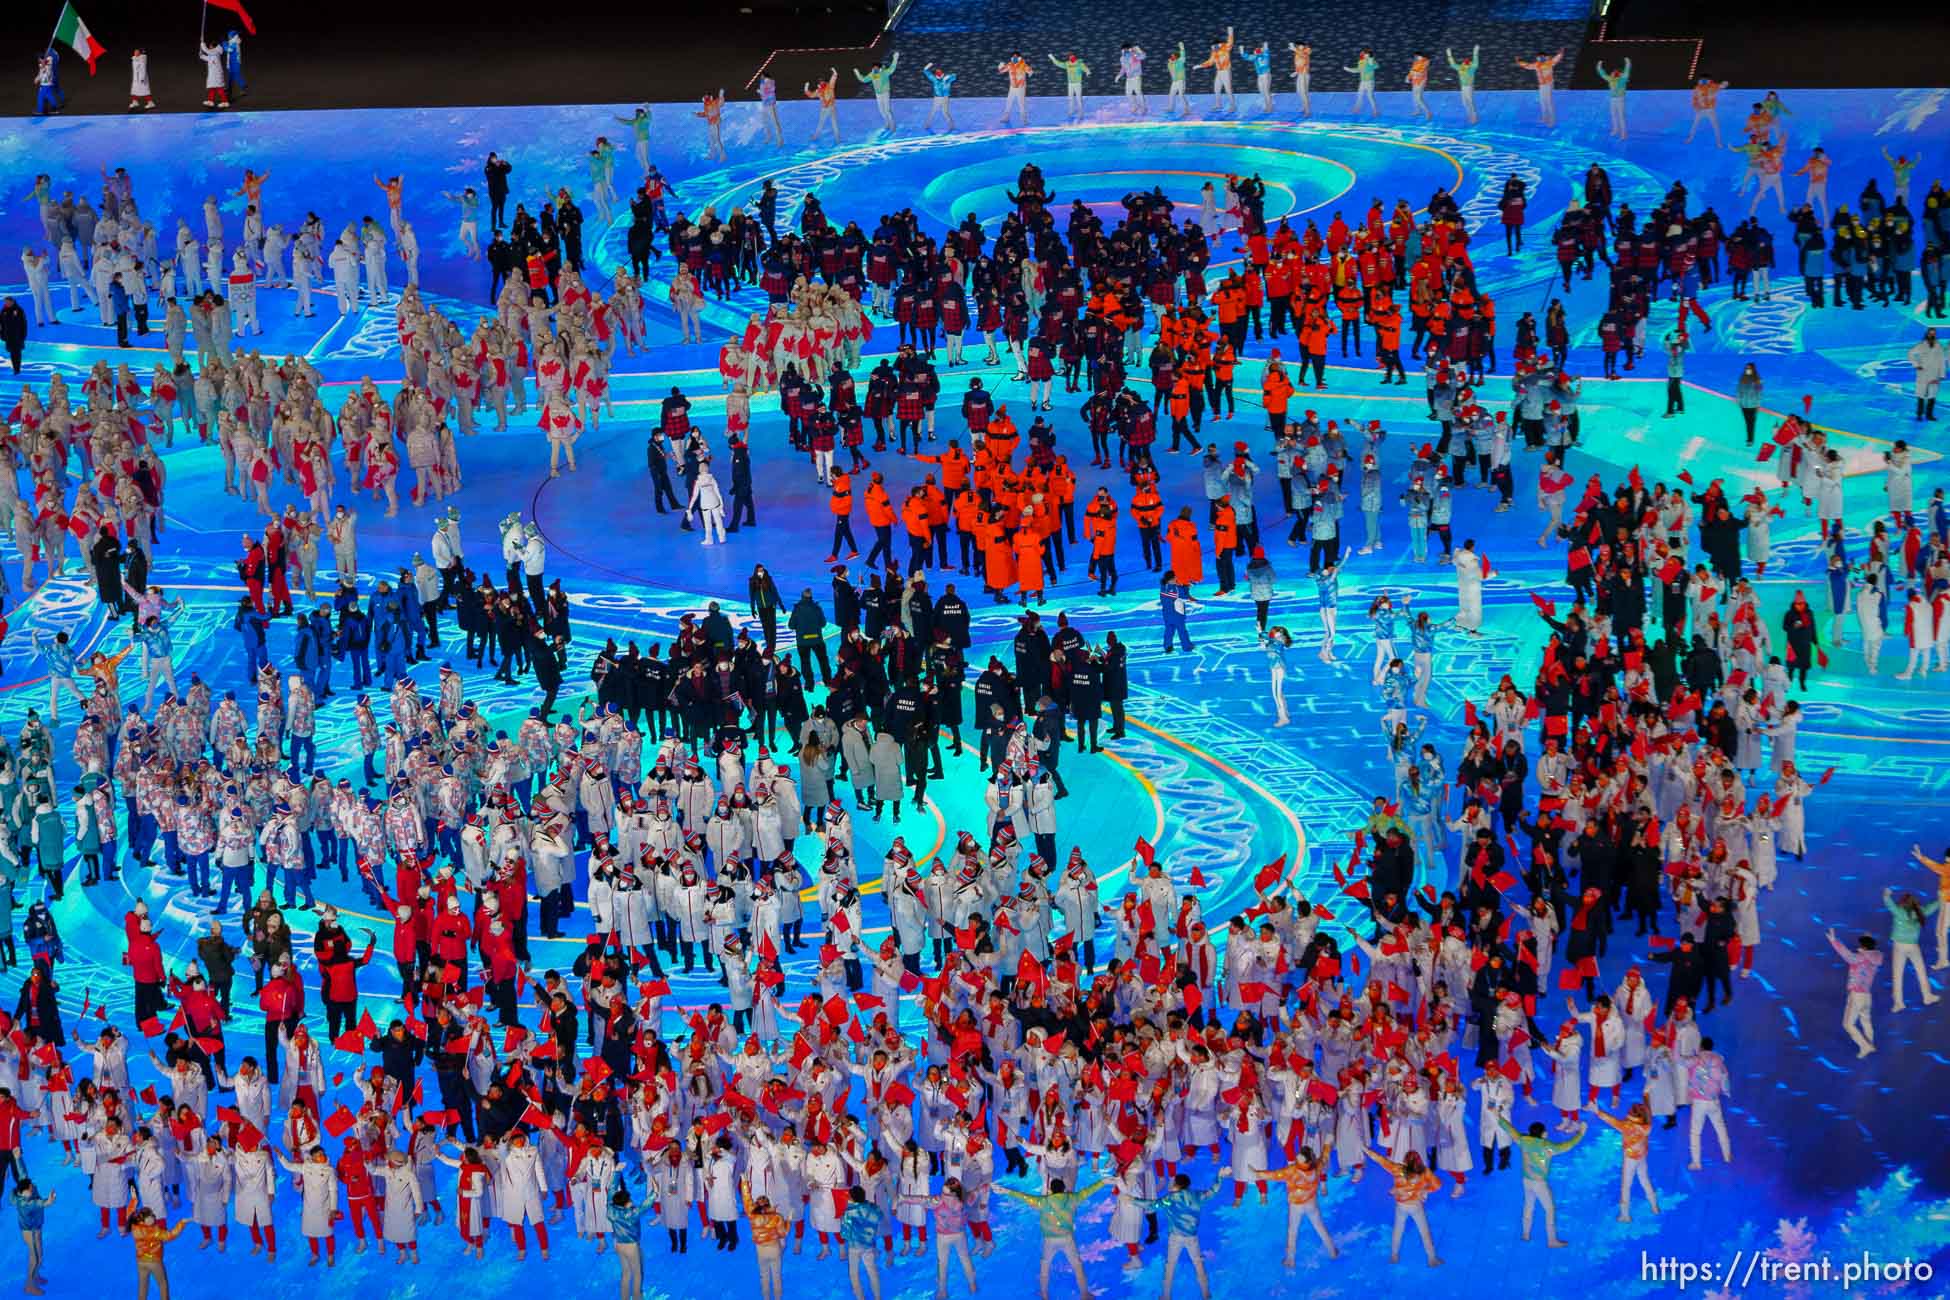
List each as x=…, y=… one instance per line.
x=1225, y=541
x=1100, y=526
x=880, y=517
x=1187, y=560
x=1147, y=511
x=1275, y=391
x=841, y=504
x=998, y=560
x=920, y=537
x=968, y=521
x=1029, y=557
x=954, y=467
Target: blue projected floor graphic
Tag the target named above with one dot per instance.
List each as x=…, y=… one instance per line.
x=1833, y=1156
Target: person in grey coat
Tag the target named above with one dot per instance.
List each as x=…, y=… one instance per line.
x=1259, y=580
x=888, y=786
x=815, y=779
x=856, y=746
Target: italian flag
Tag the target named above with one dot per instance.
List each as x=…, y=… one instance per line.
x=74, y=33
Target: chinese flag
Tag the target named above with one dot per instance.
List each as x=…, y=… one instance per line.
x=1270, y=874
x=237, y=7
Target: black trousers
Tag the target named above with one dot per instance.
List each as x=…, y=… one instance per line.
x=273, y=1050
x=808, y=651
